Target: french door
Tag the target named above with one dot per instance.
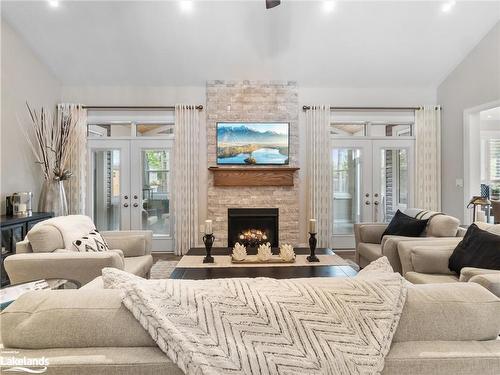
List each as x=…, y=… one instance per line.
x=372, y=179
x=128, y=187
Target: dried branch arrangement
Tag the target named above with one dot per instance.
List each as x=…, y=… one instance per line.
x=52, y=140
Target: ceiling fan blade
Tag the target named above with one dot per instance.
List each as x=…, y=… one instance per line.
x=272, y=3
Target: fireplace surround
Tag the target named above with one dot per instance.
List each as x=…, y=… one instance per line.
x=253, y=226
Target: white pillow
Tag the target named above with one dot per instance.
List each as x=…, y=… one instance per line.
x=91, y=242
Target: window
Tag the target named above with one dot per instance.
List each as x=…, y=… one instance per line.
x=490, y=163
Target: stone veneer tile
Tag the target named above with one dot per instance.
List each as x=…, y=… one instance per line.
x=253, y=101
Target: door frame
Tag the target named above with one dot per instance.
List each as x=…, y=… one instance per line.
x=130, y=184
x=372, y=145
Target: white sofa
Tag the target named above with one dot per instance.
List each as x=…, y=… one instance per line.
x=46, y=252
x=444, y=329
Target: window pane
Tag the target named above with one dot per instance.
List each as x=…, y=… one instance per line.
x=153, y=130
x=346, y=190
x=106, y=189
x=349, y=130
x=391, y=130
x=156, y=191
x=109, y=130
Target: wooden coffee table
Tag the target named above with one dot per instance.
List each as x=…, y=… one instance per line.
x=289, y=272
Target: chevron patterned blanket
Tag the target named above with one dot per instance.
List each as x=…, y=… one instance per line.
x=268, y=326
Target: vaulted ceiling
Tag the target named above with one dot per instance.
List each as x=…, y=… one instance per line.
x=357, y=44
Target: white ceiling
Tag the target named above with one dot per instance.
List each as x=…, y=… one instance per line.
x=359, y=44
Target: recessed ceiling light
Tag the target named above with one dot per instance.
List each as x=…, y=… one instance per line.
x=328, y=6
x=186, y=5
x=54, y=3
x=446, y=7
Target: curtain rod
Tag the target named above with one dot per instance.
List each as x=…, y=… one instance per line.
x=133, y=107
x=308, y=107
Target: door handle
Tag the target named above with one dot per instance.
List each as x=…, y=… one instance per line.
x=135, y=205
x=135, y=197
x=125, y=205
x=367, y=203
x=375, y=203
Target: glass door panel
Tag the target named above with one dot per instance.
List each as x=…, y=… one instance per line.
x=393, y=163
x=109, y=203
x=350, y=177
x=155, y=191
x=151, y=186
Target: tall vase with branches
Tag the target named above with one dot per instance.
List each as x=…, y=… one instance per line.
x=52, y=139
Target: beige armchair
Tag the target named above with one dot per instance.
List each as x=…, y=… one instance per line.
x=441, y=229
x=426, y=263
x=46, y=253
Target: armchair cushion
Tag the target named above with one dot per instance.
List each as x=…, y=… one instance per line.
x=468, y=273
x=432, y=259
x=490, y=281
x=45, y=239
x=442, y=226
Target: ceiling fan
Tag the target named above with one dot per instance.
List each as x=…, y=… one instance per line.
x=272, y=3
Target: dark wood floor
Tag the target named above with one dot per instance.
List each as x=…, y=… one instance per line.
x=346, y=254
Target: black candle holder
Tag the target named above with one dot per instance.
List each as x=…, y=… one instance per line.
x=312, y=246
x=208, y=240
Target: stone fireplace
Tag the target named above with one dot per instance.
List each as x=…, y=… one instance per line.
x=253, y=101
x=253, y=226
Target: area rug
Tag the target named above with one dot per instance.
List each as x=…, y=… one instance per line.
x=162, y=269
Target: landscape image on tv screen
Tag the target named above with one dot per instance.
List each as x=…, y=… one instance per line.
x=242, y=143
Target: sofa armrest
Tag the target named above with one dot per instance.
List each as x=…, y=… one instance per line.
x=133, y=243
x=468, y=273
x=490, y=281
x=369, y=232
x=82, y=267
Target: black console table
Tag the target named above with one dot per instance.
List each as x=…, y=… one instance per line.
x=14, y=229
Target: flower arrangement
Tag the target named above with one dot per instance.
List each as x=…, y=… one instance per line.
x=264, y=252
x=286, y=252
x=239, y=251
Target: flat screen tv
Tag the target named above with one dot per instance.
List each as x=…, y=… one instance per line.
x=251, y=143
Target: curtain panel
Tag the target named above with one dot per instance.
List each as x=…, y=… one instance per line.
x=319, y=172
x=75, y=186
x=186, y=177
x=428, y=158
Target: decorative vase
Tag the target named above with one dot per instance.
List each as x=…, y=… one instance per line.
x=53, y=198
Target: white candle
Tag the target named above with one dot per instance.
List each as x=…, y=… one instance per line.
x=312, y=226
x=21, y=207
x=208, y=227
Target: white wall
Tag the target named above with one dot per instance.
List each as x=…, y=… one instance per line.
x=475, y=81
x=24, y=79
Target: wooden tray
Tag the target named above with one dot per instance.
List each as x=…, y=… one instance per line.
x=252, y=259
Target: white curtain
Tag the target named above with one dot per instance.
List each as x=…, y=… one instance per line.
x=186, y=177
x=428, y=158
x=75, y=186
x=319, y=172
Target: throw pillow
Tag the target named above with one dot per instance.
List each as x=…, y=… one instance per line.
x=404, y=225
x=479, y=249
x=91, y=242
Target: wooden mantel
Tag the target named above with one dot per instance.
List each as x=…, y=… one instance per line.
x=253, y=176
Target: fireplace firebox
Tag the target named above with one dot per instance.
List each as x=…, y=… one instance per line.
x=253, y=226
